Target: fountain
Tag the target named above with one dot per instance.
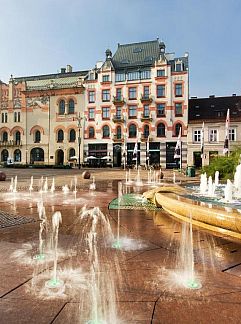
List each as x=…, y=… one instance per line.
x=228, y=192
x=138, y=181
x=187, y=276
x=216, y=181
x=117, y=244
x=45, y=187
x=31, y=185
x=65, y=189
x=52, y=189
x=15, y=183
x=42, y=226
x=203, y=184
x=128, y=177
x=102, y=279
x=92, y=185
x=55, y=282
x=174, y=177
x=11, y=185
x=237, y=181
x=211, y=187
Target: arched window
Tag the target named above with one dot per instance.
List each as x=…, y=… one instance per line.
x=161, y=130
x=118, y=132
x=17, y=156
x=36, y=154
x=5, y=137
x=17, y=137
x=61, y=107
x=132, y=131
x=4, y=155
x=72, y=135
x=60, y=136
x=106, y=131
x=71, y=106
x=71, y=153
x=146, y=131
x=37, y=136
x=177, y=127
x=91, y=132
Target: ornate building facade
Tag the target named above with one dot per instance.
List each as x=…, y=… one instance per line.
x=138, y=95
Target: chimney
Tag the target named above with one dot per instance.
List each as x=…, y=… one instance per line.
x=62, y=70
x=69, y=68
x=212, y=96
x=234, y=94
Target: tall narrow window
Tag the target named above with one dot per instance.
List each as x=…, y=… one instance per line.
x=132, y=112
x=91, y=132
x=106, y=95
x=37, y=137
x=71, y=106
x=91, y=113
x=106, y=112
x=146, y=131
x=160, y=110
x=132, y=131
x=72, y=135
x=177, y=128
x=5, y=137
x=160, y=91
x=91, y=96
x=178, y=89
x=178, y=109
x=132, y=93
x=15, y=117
x=118, y=132
x=61, y=107
x=60, y=136
x=17, y=137
x=146, y=92
x=161, y=129
x=106, y=131
x=146, y=112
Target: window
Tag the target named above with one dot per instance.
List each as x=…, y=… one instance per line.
x=146, y=131
x=118, y=93
x=132, y=93
x=146, y=92
x=178, y=89
x=91, y=76
x=132, y=131
x=146, y=111
x=178, y=67
x=132, y=112
x=106, y=112
x=161, y=129
x=197, y=135
x=213, y=135
x=177, y=129
x=17, y=137
x=118, y=132
x=72, y=135
x=160, y=90
x=61, y=107
x=17, y=156
x=4, y=155
x=232, y=134
x=106, y=131
x=118, y=111
x=160, y=110
x=91, y=132
x=91, y=96
x=106, y=78
x=60, y=136
x=5, y=117
x=145, y=74
x=15, y=116
x=178, y=109
x=91, y=113
x=71, y=106
x=160, y=73
x=106, y=95
x=135, y=75
x=19, y=114
x=71, y=153
x=37, y=137
x=120, y=77
x=5, y=137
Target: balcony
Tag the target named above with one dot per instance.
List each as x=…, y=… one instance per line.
x=146, y=117
x=118, y=119
x=118, y=100
x=146, y=98
x=116, y=138
x=10, y=143
x=144, y=138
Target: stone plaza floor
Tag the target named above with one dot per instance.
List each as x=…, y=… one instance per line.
x=144, y=270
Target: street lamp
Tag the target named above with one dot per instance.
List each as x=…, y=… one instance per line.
x=79, y=118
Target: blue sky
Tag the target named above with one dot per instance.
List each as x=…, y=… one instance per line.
x=40, y=36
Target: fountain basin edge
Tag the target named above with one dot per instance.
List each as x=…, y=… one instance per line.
x=213, y=219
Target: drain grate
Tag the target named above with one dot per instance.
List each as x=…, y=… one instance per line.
x=132, y=201
x=8, y=220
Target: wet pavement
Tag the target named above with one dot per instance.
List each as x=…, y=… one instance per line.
x=145, y=272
